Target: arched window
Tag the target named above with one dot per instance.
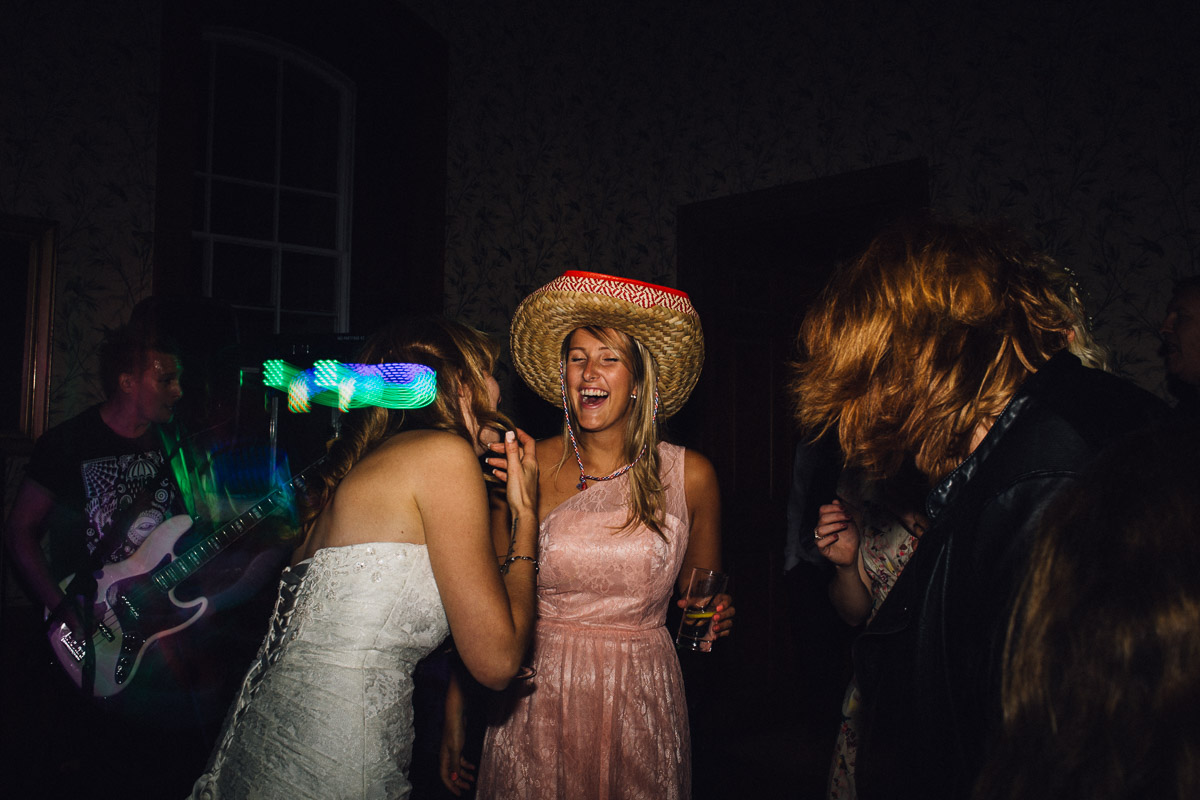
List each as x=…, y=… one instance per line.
x=278, y=119
x=272, y=193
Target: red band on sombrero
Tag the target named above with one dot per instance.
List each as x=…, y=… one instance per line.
x=640, y=293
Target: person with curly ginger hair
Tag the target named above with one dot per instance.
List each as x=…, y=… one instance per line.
x=947, y=345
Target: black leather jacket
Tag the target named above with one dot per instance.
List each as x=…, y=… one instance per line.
x=928, y=665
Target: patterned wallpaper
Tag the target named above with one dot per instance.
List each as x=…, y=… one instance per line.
x=78, y=113
x=576, y=131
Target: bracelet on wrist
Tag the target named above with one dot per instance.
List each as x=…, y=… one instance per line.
x=509, y=560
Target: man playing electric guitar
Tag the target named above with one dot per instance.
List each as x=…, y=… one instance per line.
x=95, y=486
x=135, y=601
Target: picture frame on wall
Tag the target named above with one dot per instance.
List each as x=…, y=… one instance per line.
x=27, y=267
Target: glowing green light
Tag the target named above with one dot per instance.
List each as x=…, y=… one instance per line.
x=346, y=386
x=328, y=373
x=278, y=374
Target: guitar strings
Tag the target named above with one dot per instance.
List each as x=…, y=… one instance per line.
x=137, y=595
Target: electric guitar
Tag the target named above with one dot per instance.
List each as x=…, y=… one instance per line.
x=135, y=603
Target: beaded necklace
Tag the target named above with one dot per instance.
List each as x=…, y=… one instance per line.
x=583, y=476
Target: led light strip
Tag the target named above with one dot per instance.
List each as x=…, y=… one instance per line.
x=347, y=386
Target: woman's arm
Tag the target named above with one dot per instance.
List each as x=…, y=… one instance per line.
x=838, y=540
x=849, y=594
x=491, y=615
x=703, y=496
x=456, y=772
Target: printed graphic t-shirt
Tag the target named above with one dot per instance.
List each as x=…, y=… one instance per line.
x=103, y=485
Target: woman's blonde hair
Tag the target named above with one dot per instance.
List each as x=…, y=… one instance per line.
x=462, y=357
x=925, y=336
x=1083, y=344
x=646, y=493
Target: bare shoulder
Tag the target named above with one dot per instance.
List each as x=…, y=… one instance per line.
x=407, y=462
x=697, y=467
x=699, y=479
x=442, y=462
x=389, y=493
x=549, y=454
x=703, y=497
x=549, y=451
x=425, y=450
x=554, y=486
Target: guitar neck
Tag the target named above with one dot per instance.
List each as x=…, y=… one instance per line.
x=169, y=576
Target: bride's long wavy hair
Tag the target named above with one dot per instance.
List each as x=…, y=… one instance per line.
x=462, y=357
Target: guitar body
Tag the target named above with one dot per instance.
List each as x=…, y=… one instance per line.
x=131, y=613
x=135, y=598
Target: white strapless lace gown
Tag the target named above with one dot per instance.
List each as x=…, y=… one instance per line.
x=326, y=709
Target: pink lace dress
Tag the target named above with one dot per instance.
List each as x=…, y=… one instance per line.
x=604, y=718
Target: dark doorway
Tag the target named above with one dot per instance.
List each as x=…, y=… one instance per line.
x=765, y=704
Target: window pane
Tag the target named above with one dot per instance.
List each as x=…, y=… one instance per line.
x=239, y=210
x=307, y=219
x=242, y=274
x=305, y=323
x=307, y=282
x=199, y=203
x=244, y=103
x=311, y=114
x=198, y=250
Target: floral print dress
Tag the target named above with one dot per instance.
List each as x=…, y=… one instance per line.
x=886, y=545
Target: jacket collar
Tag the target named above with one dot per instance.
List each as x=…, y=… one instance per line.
x=1036, y=384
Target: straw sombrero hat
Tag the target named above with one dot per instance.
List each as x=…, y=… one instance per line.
x=662, y=319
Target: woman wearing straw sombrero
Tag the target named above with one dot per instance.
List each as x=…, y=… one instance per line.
x=624, y=519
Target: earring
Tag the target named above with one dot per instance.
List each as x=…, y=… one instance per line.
x=633, y=397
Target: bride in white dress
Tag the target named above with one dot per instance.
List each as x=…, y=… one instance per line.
x=396, y=554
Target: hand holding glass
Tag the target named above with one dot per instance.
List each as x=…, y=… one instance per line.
x=695, y=629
